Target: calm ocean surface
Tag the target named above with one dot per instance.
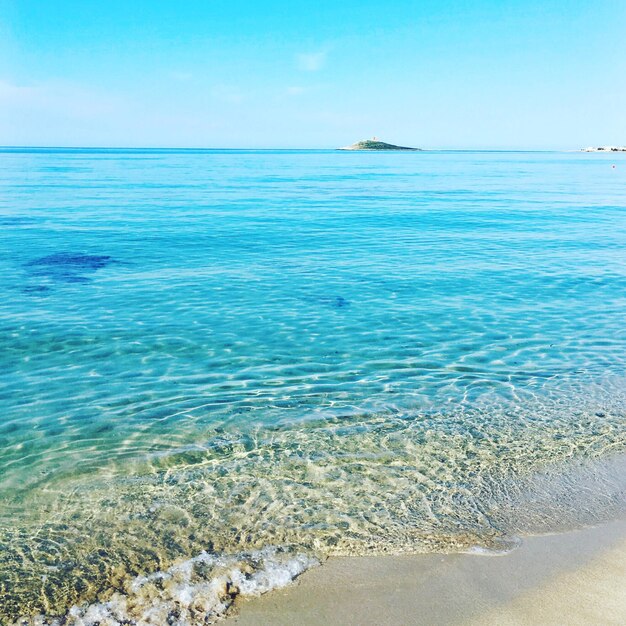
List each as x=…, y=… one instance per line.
x=218, y=366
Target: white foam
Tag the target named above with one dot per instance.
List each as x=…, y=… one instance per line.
x=194, y=592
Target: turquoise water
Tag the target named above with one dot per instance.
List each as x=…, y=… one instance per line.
x=311, y=352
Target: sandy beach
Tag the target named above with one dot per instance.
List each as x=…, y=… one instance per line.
x=575, y=578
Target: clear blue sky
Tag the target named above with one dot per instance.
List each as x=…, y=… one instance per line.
x=320, y=73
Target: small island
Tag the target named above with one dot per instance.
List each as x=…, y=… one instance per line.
x=375, y=144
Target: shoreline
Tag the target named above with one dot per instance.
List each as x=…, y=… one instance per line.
x=576, y=577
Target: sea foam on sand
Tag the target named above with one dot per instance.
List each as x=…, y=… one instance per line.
x=194, y=592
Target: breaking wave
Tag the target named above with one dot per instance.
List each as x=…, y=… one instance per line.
x=196, y=591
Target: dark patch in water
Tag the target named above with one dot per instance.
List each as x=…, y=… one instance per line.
x=68, y=267
x=337, y=302
x=36, y=290
x=79, y=262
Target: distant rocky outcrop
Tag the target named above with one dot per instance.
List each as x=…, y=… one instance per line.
x=375, y=144
x=605, y=149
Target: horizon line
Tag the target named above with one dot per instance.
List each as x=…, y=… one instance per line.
x=61, y=147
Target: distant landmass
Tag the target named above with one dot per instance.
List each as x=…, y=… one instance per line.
x=605, y=149
x=375, y=144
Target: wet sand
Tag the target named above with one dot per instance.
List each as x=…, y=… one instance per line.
x=573, y=578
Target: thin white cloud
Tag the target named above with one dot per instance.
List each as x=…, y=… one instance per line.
x=64, y=113
x=15, y=94
x=59, y=97
x=311, y=62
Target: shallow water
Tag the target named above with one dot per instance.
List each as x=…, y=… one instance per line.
x=327, y=352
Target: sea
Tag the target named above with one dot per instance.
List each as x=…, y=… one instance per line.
x=220, y=367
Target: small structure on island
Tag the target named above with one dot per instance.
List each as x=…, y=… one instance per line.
x=375, y=144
